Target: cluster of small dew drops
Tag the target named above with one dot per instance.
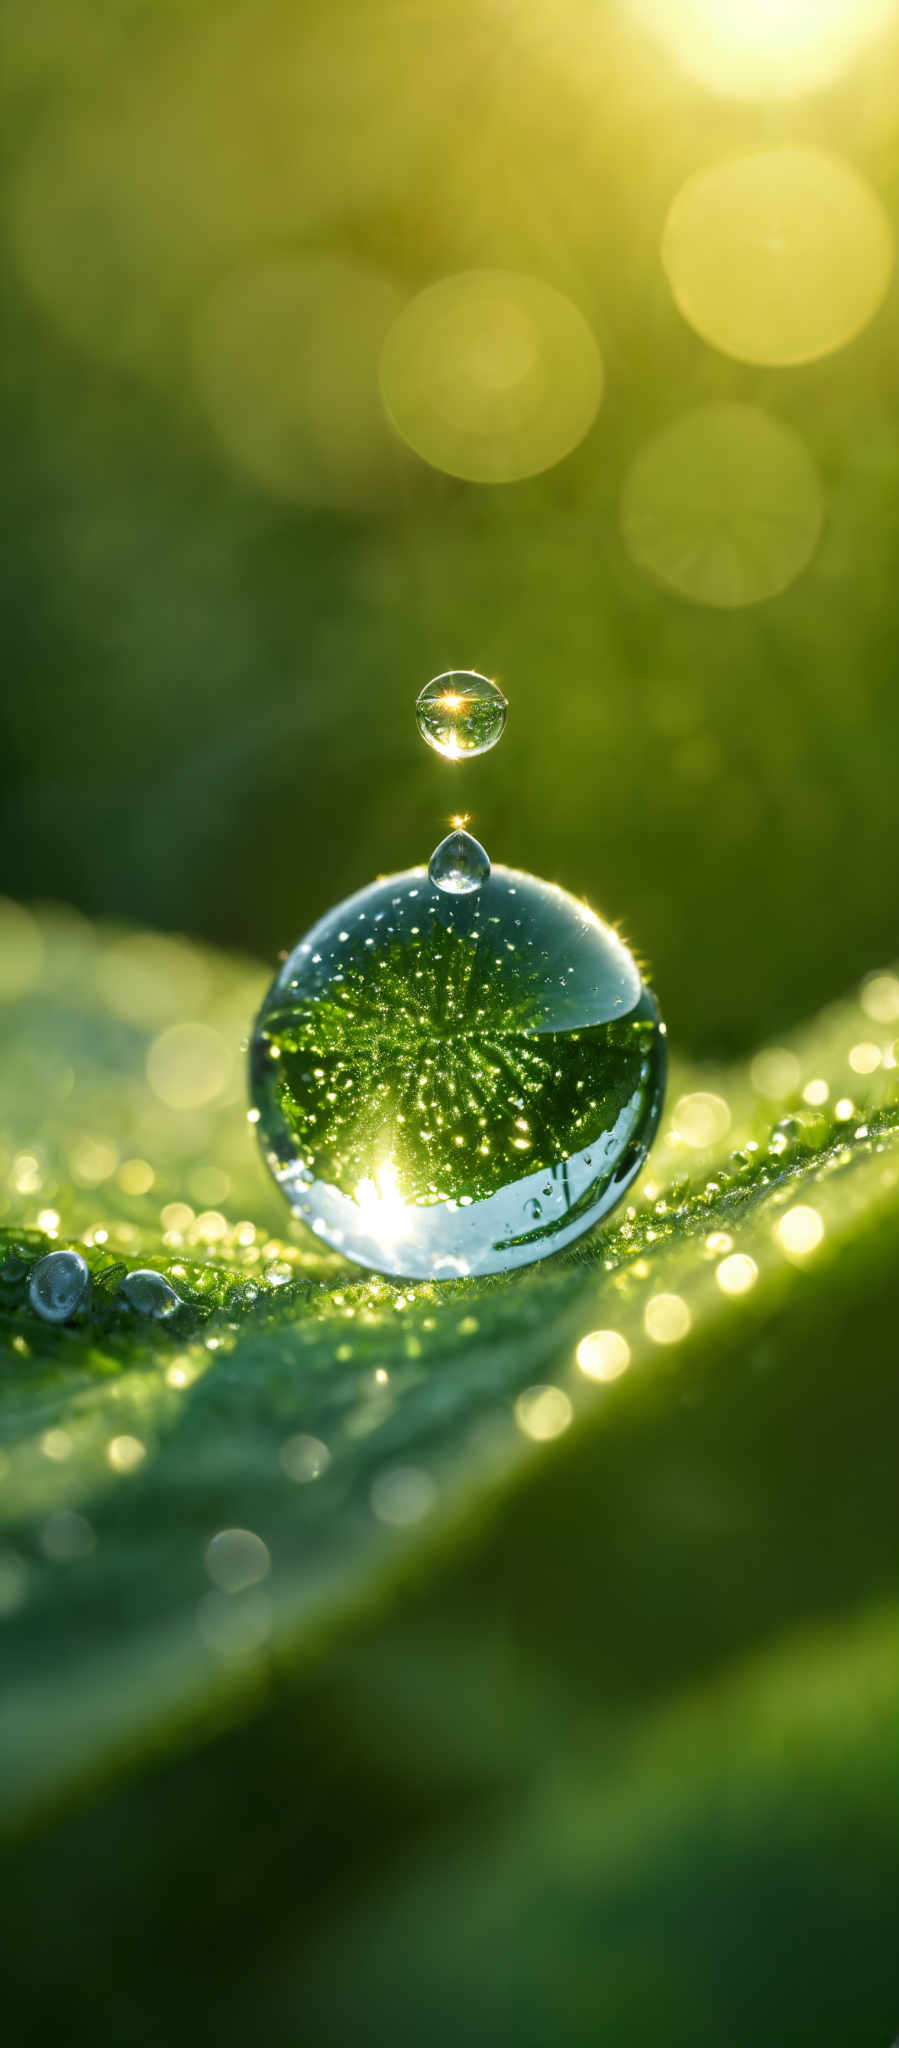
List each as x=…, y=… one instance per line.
x=59, y=1284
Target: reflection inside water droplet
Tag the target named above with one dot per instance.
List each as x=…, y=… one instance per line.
x=459, y=864
x=461, y=713
x=456, y=1083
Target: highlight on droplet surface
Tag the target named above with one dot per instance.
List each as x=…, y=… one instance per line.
x=724, y=505
x=459, y=864
x=769, y=49
x=778, y=256
x=285, y=361
x=491, y=375
x=456, y=1083
x=57, y=1285
x=461, y=712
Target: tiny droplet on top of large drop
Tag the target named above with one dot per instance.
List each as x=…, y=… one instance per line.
x=459, y=864
x=461, y=713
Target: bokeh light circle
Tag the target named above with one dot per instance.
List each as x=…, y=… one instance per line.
x=779, y=256
x=765, y=48
x=490, y=375
x=724, y=505
x=285, y=361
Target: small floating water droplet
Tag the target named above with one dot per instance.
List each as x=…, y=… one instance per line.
x=459, y=864
x=150, y=1294
x=58, y=1285
x=461, y=713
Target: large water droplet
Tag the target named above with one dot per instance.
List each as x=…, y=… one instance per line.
x=429, y=1066
x=58, y=1285
x=459, y=864
x=461, y=713
x=150, y=1294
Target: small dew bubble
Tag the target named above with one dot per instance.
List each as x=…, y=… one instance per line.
x=461, y=712
x=58, y=1285
x=459, y=865
x=150, y=1294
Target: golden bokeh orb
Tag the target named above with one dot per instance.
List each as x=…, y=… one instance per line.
x=778, y=256
x=491, y=376
x=723, y=506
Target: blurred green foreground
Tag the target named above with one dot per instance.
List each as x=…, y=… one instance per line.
x=492, y=1661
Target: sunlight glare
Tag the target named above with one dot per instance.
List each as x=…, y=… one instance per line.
x=769, y=49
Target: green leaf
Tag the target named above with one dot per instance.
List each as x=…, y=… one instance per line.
x=526, y=1584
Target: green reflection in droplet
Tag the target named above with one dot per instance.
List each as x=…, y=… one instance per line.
x=456, y=1084
x=459, y=864
x=461, y=713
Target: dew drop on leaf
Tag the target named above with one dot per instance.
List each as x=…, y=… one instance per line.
x=456, y=1083
x=150, y=1294
x=58, y=1285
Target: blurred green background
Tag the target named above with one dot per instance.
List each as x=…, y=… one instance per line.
x=226, y=576
x=346, y=344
